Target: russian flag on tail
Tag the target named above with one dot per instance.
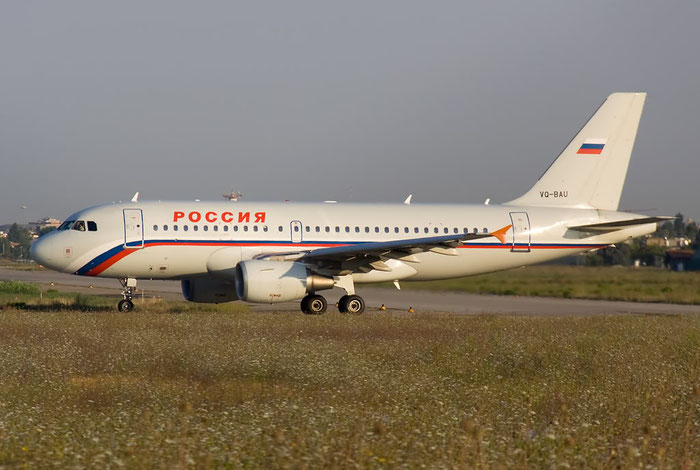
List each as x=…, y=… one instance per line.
x=592, y=147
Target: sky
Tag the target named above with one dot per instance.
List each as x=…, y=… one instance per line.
x=357, y=101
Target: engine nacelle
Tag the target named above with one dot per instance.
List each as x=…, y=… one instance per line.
x=276, y=281
x=211, y=291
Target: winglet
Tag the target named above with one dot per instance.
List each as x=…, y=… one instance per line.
x=501, y=233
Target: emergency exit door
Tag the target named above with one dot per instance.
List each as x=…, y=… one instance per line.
x=521, y=232
x=297, y=235
x=133, y=228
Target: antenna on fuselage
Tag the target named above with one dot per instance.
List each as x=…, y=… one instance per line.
x=136, y=197
x=408, y=200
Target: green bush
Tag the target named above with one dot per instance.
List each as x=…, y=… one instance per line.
x=18, y=287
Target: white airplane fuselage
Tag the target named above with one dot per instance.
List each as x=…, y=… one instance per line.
x=180, y=240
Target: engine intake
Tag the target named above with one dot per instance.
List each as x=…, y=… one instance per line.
x=277, y=281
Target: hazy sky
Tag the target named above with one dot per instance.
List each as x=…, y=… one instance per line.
x=353, y=101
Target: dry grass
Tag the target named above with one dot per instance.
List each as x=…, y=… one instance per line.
x=580, y=282
x=274, y=390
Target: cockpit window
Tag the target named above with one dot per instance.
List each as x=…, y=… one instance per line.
x=66, y=225
x=92, y=226
x=79, y=226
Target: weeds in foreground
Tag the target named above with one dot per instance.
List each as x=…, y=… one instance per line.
x=263, y=390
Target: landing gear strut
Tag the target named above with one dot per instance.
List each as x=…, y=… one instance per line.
x=128, y=289
x=314, y=304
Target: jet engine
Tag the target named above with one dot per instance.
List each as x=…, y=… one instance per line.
x=277, y=281
x=211, y=291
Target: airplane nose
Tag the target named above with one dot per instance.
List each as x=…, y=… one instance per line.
x=42, y=251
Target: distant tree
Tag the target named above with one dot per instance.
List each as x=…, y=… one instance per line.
x=678, y=226
x=21, y=238
x=19, y=235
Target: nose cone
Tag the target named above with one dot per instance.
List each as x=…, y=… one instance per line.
x=45, y=252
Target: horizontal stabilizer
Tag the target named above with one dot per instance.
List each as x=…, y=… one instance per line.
x=619, y=224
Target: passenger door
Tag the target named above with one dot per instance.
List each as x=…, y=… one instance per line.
x=133, y=228
x=521, y=232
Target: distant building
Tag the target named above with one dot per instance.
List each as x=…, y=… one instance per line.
x=41, y=224
x=683, y=260
x=673, y=242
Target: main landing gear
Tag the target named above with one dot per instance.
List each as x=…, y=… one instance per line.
x=314, y=304
x=128, y=289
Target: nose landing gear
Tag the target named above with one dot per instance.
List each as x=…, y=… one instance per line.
x=128, y=289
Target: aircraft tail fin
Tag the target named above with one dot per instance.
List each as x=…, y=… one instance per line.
x=591, y=171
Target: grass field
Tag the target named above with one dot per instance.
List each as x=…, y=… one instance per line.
x=258, y=390
x=580, y=282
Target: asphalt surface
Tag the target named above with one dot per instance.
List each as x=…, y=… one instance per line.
x=393, y=299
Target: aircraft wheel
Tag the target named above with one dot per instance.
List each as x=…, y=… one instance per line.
x=125, y=305
x=354, y=304
x=316, y=304
x=305, y=305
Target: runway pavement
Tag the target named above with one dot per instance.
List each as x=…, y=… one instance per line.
x=425, y=301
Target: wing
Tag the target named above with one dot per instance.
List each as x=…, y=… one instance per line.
x=618, y=224
x=364, y=257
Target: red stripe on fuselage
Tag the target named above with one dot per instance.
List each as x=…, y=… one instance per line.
x=106, y=264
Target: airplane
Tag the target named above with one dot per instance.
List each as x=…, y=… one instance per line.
x=276, y=252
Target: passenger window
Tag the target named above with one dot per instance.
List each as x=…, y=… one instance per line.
x=485, y=230
x=357, y=229
x=376, y=229
x=426, y=229
x=386, y=229
x=205, y=228
x=447, y=230
x=466, y=230
x=225, y=228
x=296, y=228
x=347, y=229
x=235, y=228
x=307, y=228
x=415, y=229
x=396, y=230
x=405, y=229
x=318, y=229
x=155, y=228
x=174, y=228
x=279, y=229
x=79, y=226
x=165, y=228
x=215, y=228
x=255, y=228
x=366, y=229
x=195, y=228
x=476, y=230
x=436, y=230
x=245, y=228
x=455, y=230
x=328, y=229
x=337, y=229
x=264, y=228
x=185, y=228
x=92, y=226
